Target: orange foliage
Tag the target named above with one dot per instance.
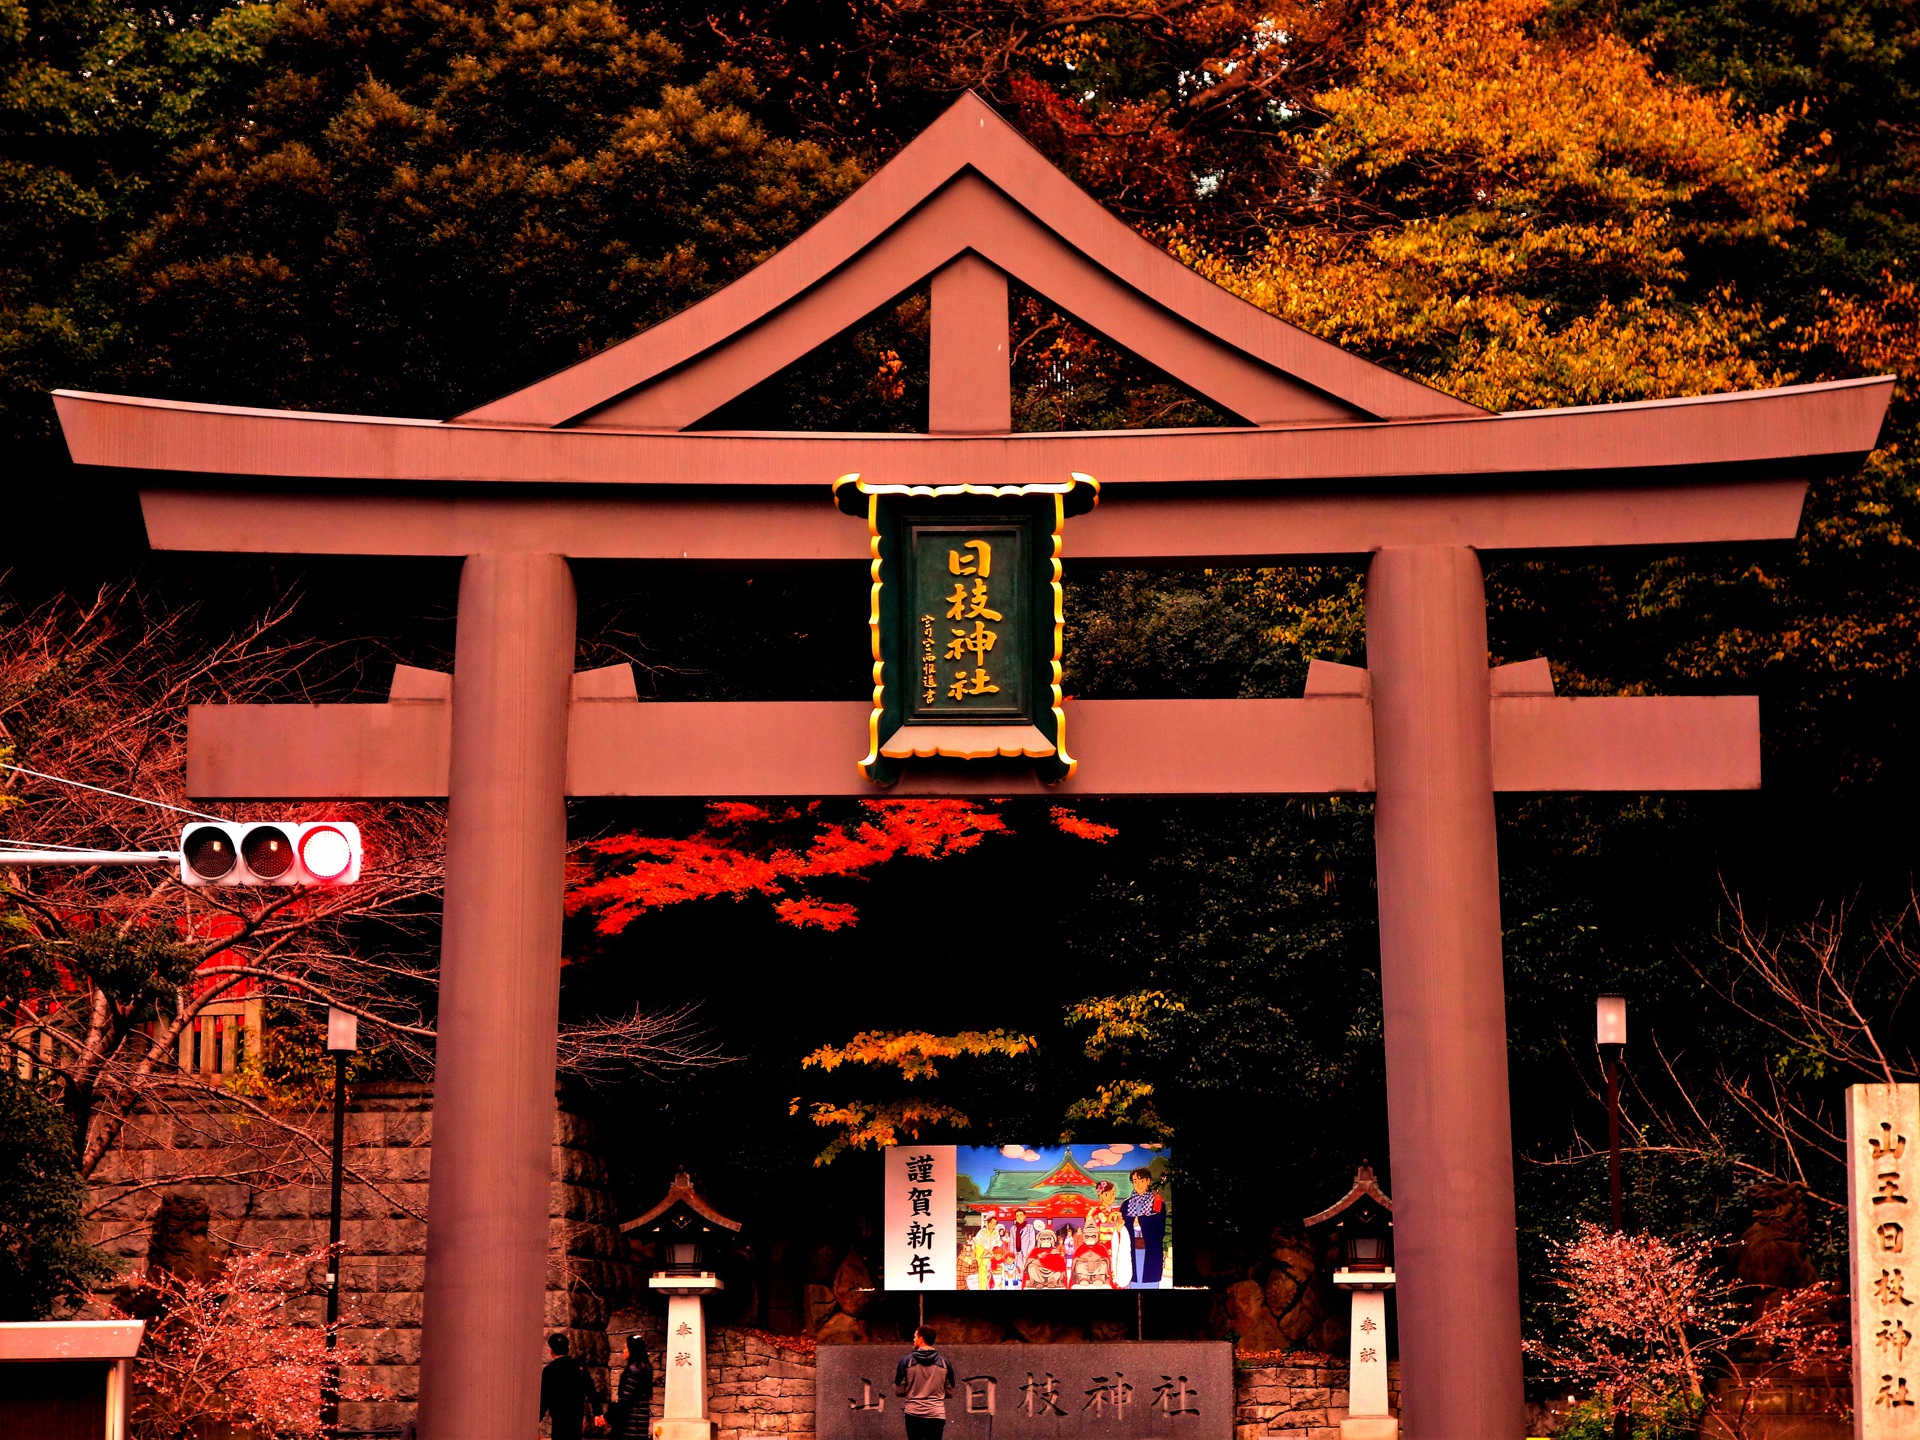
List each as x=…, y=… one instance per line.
x=1876, y=335
x=750, y=850
x=1080, y=827
x=1507, y=210
x=913, y=1053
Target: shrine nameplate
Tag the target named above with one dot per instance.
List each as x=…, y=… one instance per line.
x=1112, y=1391
x=966, y=618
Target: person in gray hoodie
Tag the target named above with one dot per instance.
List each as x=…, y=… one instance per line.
x=925, y=1379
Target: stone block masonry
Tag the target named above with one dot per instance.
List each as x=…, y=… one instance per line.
x=266, y=1185
x=1301, y=1396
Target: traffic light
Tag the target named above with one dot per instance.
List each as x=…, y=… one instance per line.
x=270, y=852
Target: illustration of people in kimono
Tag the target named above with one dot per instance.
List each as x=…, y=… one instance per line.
x=1145, y=1214
x=1106, y=1235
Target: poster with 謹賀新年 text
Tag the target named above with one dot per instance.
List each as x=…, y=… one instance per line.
x=1029, y=1217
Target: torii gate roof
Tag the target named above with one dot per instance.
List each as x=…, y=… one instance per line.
x=1338, y=455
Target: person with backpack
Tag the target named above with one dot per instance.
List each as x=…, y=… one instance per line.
x=925, y=1380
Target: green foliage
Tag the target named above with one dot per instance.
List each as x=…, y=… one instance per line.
x=138, y=968
x=45, y=1260
x=1233, y=944
x=1678, y=1418
x=428, y=202
x=94, y=98
x=289, y=1067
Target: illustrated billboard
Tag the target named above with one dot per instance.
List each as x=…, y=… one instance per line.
x=1029, y=1217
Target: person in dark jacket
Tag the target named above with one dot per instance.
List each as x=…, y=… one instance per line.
x=567, y=1392
x=632, y=1409
x=925, y=1379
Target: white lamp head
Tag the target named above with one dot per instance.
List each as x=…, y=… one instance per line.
x=1610, y=1020
x=343, y=1030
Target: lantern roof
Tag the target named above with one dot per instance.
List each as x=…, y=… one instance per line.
x=1365, y=1187
x=681, y=1195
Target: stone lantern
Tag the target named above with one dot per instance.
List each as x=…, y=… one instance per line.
x=1363, y=1220
x=684, y=1231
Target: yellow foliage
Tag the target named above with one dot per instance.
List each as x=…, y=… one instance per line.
x=913, y=1052
x=1117, y=1019
x=1124, y=1103
x=864, y=1126
x=1507, y=212
x=866, y=1123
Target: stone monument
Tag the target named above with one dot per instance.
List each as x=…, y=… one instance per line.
x=1883, y=1123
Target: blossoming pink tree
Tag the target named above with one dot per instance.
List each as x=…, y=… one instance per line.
x=222, y=1353
x=1652, y=1323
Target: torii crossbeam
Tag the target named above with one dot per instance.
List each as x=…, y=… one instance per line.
x=1337, y=457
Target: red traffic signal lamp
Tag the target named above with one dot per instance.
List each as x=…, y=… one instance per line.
x=270, y=852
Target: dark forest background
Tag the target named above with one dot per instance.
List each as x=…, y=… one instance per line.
x=407, y=206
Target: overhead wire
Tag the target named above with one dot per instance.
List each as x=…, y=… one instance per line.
x=102, y=790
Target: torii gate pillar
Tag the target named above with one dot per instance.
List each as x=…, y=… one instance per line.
x=499, y=995
x=1443, y=994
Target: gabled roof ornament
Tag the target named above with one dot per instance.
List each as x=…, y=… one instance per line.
x=969, y=193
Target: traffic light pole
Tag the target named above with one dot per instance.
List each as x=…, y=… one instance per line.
x=15, y=859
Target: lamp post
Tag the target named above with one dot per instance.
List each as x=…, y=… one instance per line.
x=1610, y=1035
x=343, y=1038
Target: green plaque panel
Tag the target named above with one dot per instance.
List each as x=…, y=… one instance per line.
x=966, y=621
x=972, y=622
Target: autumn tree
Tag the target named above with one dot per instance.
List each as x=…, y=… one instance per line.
x=907, y=1058
x=108, y=968
x=795, y=857
x=425, y=202
x=1516, y=214
x=106, y=971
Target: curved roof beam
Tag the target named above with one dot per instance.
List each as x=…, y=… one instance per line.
x=970, y=216
x=1309, y=379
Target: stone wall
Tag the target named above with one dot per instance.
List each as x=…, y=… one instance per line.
x=1300, y=1397
x=757, y=1383
x=761, y=1385
x=266, y=1185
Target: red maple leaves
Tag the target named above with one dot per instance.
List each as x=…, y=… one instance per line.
x=753, y=850
x=778, y=852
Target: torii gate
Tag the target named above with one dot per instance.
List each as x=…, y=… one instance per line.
x=1336, y=456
